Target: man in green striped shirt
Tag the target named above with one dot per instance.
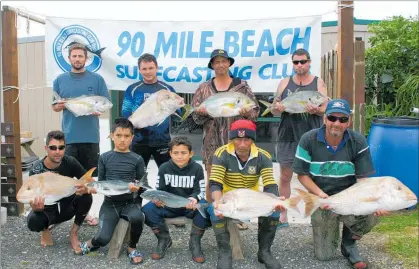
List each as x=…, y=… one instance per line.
x=329, y=160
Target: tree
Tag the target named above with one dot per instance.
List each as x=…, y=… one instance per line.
x=393, y=56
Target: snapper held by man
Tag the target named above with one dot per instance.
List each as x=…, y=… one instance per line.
x=245, y=204
x=86, y=104
x=364, y=197
x=51, y=186
x=296, y=102
x=157, y=108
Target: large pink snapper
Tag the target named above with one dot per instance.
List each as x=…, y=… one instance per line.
x=157, y=108
x=50, y=185
x=245, y=204
x=364, y=198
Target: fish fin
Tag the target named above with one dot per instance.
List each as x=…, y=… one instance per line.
x=369, y=199
x=311, y=202
x=247, y=221
x=88, y=176
x=292, y=203
x=188, y=110
x=202, y=208
x=143, y=183
x=268, y=107
x=99, y=51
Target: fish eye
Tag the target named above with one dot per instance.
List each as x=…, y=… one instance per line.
x=29, y=188
x=399, y=188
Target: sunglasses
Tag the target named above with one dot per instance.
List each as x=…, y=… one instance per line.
x=54, y=148
x=341, y=119
x=300, y=61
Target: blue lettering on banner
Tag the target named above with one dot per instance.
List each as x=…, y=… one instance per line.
x=274, y=71
x=245, y=44
x=181, y=45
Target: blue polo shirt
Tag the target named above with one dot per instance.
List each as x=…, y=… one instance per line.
x=82, y=129
x=333, y=170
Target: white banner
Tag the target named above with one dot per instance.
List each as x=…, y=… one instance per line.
x=261, y=48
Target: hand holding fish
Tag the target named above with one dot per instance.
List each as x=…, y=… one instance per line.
x=59, y=105
x=38, y=203
x=201, y=110
x=158, y=203
x=81, y=189
x=311, y=109
x=132, y=187
x=217, y=213
x=192, y=204
x=280, y=207
x=278, y=108
x=381, y=213
x=245, y=112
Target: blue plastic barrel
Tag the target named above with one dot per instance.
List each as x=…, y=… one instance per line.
x=394, y=144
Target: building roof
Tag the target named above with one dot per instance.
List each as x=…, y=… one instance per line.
x=356, y=22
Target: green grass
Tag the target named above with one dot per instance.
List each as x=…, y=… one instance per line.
x=401, y=228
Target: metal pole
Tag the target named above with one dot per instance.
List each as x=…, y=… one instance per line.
x=24, y=14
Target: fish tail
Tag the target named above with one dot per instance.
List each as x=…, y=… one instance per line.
x=56, y=96
x=144, y=182
x=86, y=178
x=268, y=107
x=292, y=203
x=311, y=202
x=188, y=111
x=202, y=208
x=99, y=51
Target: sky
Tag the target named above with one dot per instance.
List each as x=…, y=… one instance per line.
x=200, y=10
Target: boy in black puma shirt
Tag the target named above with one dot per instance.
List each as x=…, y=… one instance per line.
x=180, y=176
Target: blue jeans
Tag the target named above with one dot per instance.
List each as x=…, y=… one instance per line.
x=154, y=215
x=214, y=219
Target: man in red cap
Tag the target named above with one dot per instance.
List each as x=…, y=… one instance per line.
x=240, y=164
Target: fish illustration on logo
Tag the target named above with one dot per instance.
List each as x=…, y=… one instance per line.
x=71, y=35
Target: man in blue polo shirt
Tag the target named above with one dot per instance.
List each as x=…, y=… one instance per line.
x=329, y=160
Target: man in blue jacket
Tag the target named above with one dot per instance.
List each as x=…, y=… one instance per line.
x=152, y=140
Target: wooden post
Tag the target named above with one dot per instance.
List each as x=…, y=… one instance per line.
x=11, y=109
x=235, y=240
x=118, y=239
x=346, y=51
x=359, y=86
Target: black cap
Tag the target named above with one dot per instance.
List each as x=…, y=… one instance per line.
x=222, y=53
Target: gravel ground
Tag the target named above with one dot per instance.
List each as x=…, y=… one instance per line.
x=20, y=248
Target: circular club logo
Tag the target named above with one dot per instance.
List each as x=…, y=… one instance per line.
x=77, y=34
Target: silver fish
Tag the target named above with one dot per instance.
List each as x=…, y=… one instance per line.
x=156, y=109
x=227, y=104
x=172, y=200
x=86, y=105
x=88, y=48
x=245, y=204
x=116, y=187
x=51, y=186
x=296, y=102
x=365, y=197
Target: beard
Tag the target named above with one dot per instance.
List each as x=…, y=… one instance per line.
x=336, y=133
x=79, y=67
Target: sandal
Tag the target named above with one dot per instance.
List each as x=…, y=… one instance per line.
x=84, y=249
x=282, y=224
x=133, y=254
x=91, y=221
